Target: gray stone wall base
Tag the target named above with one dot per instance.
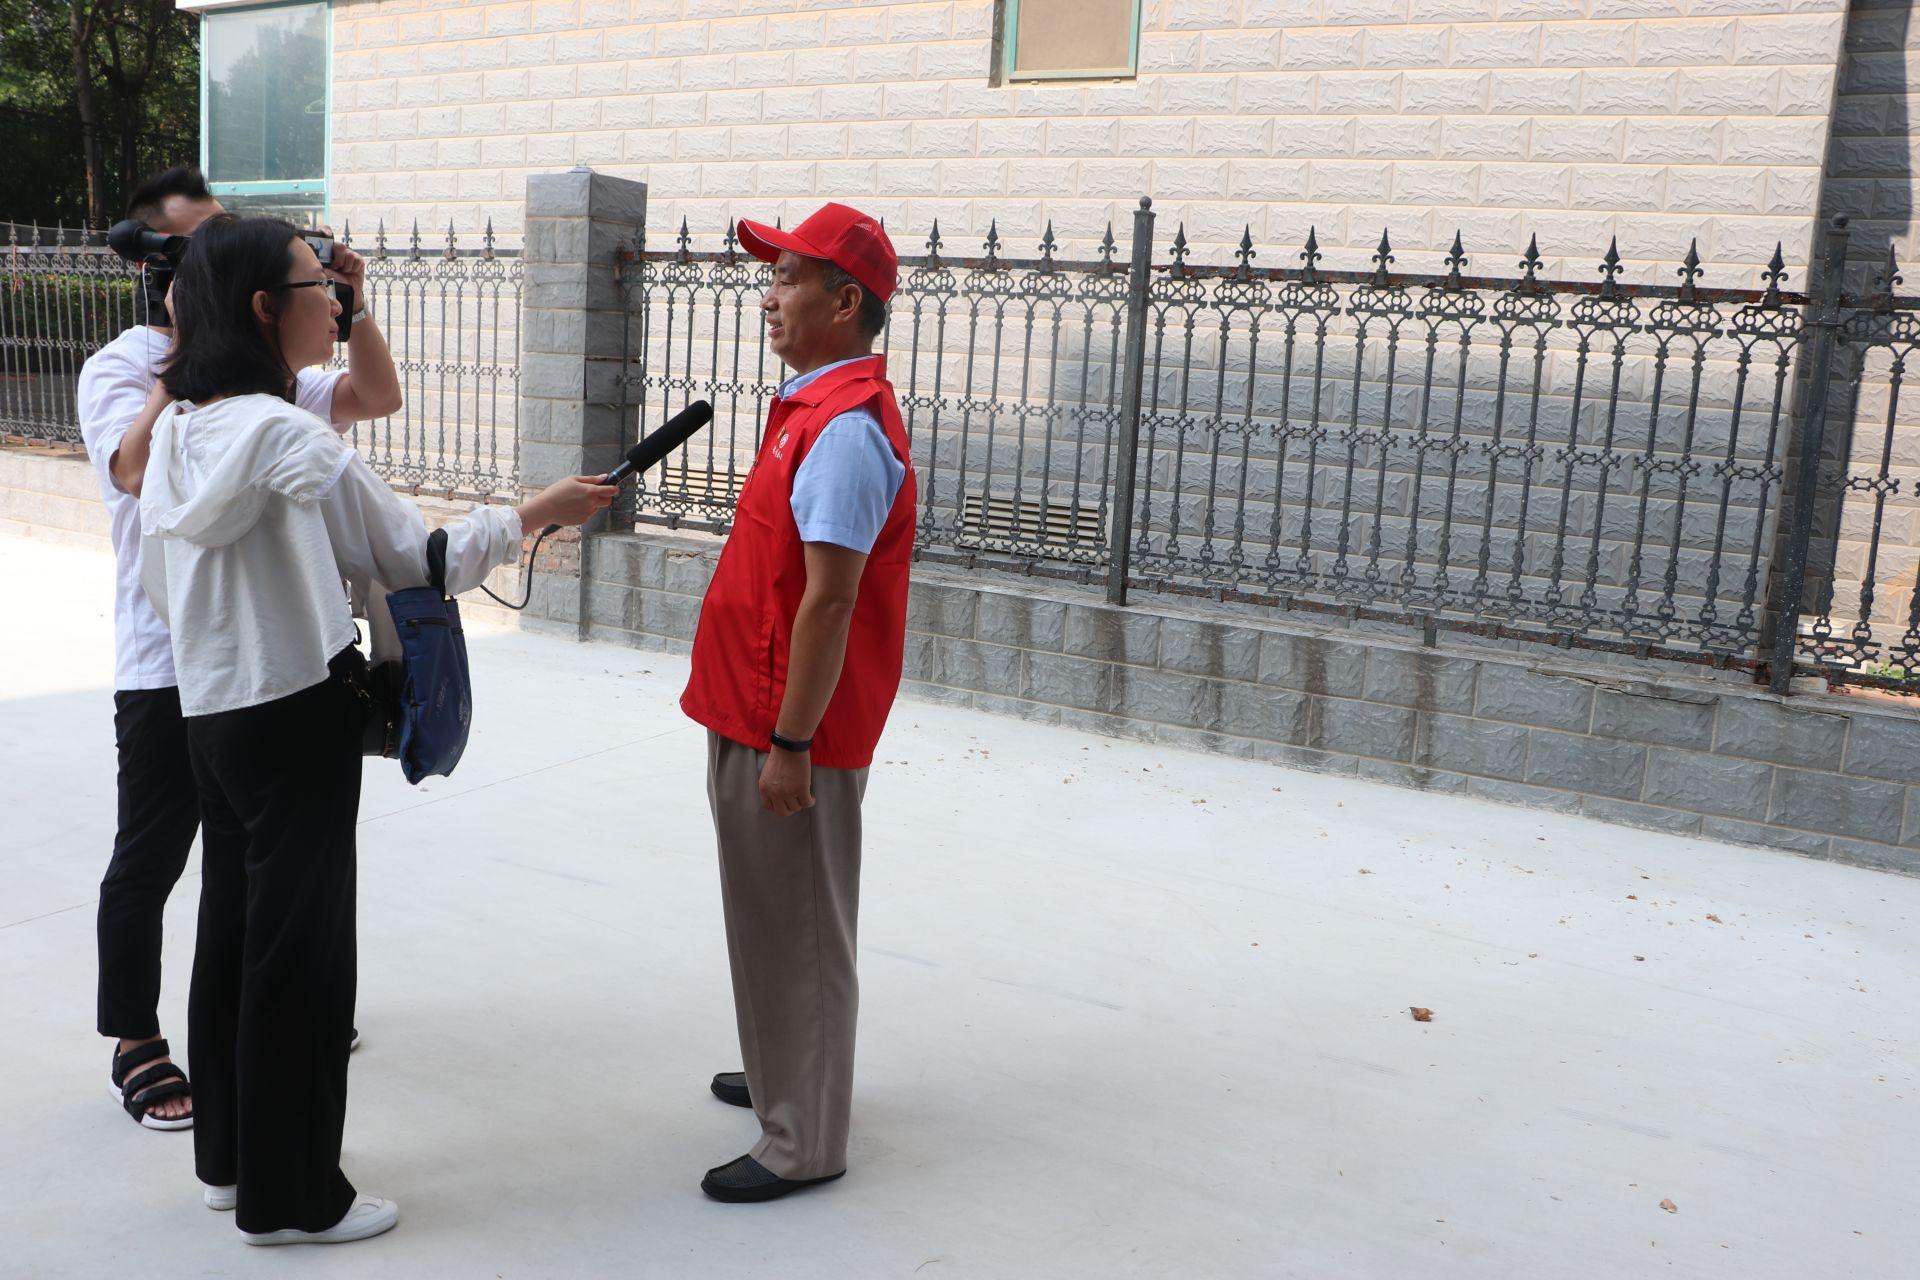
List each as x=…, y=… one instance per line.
x=52, y=495
x=1829, y=777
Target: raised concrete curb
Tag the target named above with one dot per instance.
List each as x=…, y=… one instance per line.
x=52, y=494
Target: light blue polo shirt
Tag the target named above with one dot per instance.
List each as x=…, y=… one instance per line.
x=846, y=484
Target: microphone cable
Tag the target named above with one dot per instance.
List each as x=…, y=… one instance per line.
x=653, y=448
x=526, y=574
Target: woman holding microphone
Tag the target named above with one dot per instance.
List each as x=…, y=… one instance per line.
x=256, y=520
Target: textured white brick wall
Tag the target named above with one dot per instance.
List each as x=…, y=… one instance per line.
x=1653, y=120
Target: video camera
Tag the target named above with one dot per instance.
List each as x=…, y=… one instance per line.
x=161, y=254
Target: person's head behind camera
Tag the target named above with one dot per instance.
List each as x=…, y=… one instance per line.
x=251, y=307
x=174, y=201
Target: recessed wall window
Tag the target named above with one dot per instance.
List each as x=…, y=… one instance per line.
x=1069, y=39
x=265, y=75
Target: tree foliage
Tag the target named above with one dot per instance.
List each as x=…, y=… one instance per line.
x=94, y=94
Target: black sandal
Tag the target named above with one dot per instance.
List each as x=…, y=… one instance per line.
x=140, y=1091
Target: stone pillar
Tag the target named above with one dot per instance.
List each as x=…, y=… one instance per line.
x=573, y=419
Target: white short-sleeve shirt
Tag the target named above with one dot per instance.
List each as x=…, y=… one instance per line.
x=114, y=385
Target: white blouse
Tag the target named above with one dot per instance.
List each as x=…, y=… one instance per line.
x=255, y=520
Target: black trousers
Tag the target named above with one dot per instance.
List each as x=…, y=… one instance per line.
x=159, y=812
x=274, y=966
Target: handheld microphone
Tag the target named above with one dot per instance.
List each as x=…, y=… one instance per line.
x=657, y=445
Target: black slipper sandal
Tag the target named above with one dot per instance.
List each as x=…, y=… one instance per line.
x=140, y=1091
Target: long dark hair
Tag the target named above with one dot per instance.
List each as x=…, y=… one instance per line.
x=219, y=348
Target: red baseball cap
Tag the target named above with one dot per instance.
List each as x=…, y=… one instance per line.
x=846, y=237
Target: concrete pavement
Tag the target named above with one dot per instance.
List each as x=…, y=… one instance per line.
x=1127, y=1012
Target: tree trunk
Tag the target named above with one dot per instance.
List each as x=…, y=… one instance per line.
x=129, y=150
x=80, y=23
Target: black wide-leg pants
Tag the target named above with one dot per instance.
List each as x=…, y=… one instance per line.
x=274, y=967
x=159, y=810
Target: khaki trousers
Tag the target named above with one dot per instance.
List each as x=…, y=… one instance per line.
x=790, y=888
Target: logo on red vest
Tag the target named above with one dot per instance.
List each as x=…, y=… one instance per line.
x=780, y=445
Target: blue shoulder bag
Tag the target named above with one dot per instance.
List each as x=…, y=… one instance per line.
x=421, y=706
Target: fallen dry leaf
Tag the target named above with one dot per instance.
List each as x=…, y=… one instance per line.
x=1639, y=957
x=1633, y=897
x=1422, y=1015
x=1365, y=872
x=1716, y=919
x=1670, y=1206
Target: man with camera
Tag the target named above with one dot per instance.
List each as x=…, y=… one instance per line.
x=120, y=398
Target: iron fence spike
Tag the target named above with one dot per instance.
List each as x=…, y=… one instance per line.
x=1529, y=281
x=1610, y=269
x=1776, y=271
x=1245, y=253
x=1690, y=271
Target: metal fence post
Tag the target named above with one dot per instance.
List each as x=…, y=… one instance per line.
x=1132, y=374
x=1813, y=432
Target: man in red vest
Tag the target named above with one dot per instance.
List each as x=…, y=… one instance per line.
x=795, y=665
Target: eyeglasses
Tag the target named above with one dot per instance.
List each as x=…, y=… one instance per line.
x=301, y=284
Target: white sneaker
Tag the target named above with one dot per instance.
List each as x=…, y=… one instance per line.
x=221, y=1198
x=368, y=1216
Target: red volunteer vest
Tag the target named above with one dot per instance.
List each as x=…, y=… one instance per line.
x=746, y=622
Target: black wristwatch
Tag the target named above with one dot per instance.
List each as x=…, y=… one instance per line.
x=788, y=744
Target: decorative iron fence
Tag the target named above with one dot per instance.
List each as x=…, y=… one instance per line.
x=451, y=317
x=1586, y=463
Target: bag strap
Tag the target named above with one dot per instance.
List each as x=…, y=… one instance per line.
x=437, y=562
